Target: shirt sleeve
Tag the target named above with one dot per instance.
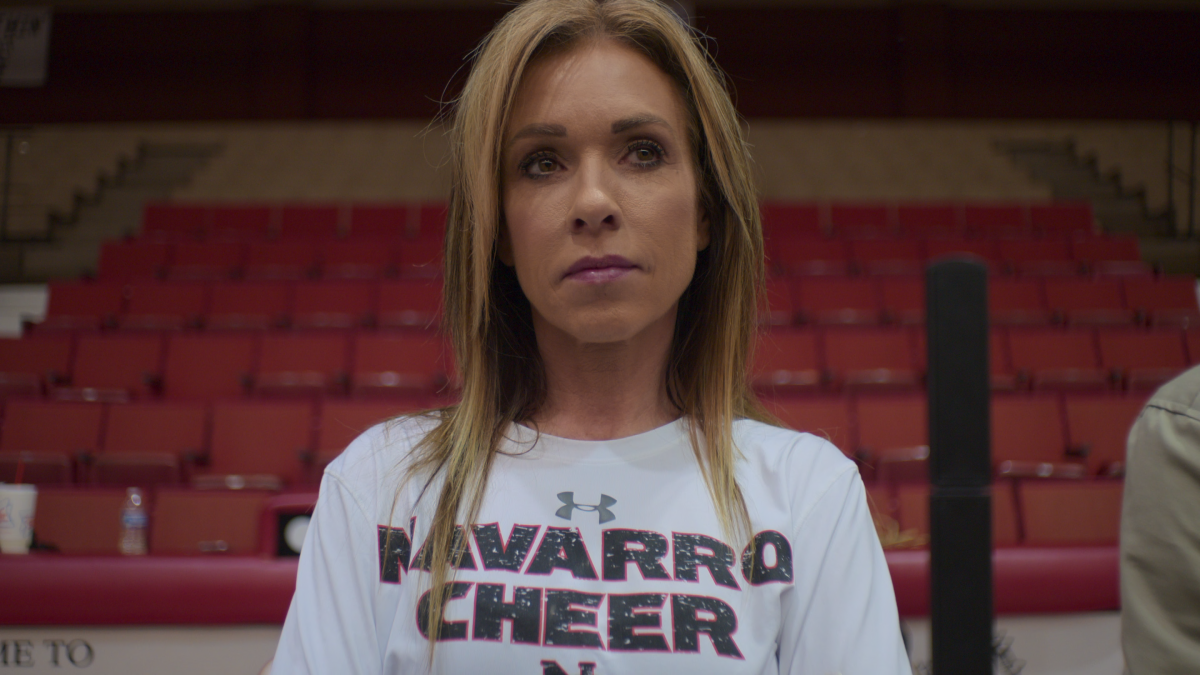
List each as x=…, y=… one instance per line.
x=330, y=625
x=840, y=615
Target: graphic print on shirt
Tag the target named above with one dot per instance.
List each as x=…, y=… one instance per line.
x=540, y=613
x=568, y=499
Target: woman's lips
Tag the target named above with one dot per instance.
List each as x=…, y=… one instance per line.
x=595, y=270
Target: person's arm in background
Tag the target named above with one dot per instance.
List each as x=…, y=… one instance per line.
x=1160, y=534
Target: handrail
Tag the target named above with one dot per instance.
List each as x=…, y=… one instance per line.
x=1180, y=174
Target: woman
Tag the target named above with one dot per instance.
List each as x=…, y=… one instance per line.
x=627, y=511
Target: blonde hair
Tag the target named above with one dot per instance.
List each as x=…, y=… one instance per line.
x=488, y=317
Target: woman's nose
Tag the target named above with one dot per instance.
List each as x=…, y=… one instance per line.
x=595, y=207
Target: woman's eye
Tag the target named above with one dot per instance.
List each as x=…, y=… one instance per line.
x=539, y=165
x=647, y=154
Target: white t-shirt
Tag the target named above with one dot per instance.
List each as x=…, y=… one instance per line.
x=599, y=558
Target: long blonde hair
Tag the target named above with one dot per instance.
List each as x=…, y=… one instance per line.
x=488, y=317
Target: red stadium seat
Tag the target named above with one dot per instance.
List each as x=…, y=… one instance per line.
x=832, y=301
x=318, y=221
x=1192, y=338
x=204, y=367
x=826, y=417
x=903, y=299
x=912, y=512
x=783, y=220
x=861, y=220
x=378, y=220
x=1062, y=217
x=893, y=435
x=1017, y=302
x=1109, y=248
x=75, y=306
x=808, y=257
x=46, y=436
x=410, y=303
x=1028, y=429
x=1169, y=301
x=342, y=421
x=206, y=261
x=1091, y=302
x=399, y=363
x=29, y=366
x=887, y=256
x=1143, y=359
x=249, y=305
x=996, y=219
x=175, y=221
x=144, y=443
x=872, y=358
x=333, y=304
x=421, y=257
x=115, y=367
x=786, y=359
x=249, y=221
x=929, y=220
x=79, y=521
x=1099, y=427
x=193, y=522
x=302, y=363
x=359, y=258
x=1038, y=256
x=431, y=220
x=282, y=260
x=132, y=260
x=1057, y=513
x=777, y=308
x=252, y=438
x=164, y=306
x=1057, y=359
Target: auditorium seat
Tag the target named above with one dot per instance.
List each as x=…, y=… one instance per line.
x=929, y=220
x=1143, y=359
x=238, y=221
x=1017, y=302
x=206, y=260
x=304, y=363
x=409, y=303
x=903, y=299
x=912, y=510
x=1028, y=429
x=809, y=256
x=249, y=305
x=359, y=258
x=144, y=443
x=192, y=522
x=317, y=221
x=342, y=421
x=1099, y=426
x=114, y=368
x=1065, y=513
x=170, y=222
x=421, y=257
x=783, y=220
x=996, y=219
x=289, y=260
x=1057, y=359
x=164, y=306
x=887, y=256
x=31, y=365
x=858, y=220
x=832, y=300
x=132, y=260
x=1192, y=338
x=333, y=304
x=867, y=358
x=1038, y=256
x=893, y=436
x=46, y=437
x=202, y=367
x=1108, y=248
x=80, y=521
x=786, y=359
x=1088, y=302
x=777, y=307
x=376, y=221
x=1062, y=218
x=1166, y=301
x=83, y=306
x=398, y=363
x=253, y=438
x=824, y=416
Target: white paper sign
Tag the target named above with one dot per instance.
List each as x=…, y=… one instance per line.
x=24, y=43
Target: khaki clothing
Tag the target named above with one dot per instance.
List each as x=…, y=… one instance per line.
x=1160, y=534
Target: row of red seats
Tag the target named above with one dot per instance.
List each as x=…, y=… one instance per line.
x=120, y=366
x=269, y=443
x=886, y=432
x=1155, y=301
x=243, y=305
x=794, y=255
x=182, y=221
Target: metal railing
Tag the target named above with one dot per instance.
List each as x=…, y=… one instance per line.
x=1182, y=176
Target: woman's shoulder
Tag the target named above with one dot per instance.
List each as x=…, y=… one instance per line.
x=381, y=453
x=790, y=454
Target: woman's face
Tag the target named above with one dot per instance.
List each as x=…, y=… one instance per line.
x=600, y=194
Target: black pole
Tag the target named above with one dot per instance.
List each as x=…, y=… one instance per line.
x=960, y=523
x=8, y=149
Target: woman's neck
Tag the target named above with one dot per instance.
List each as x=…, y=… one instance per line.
x=607, y=390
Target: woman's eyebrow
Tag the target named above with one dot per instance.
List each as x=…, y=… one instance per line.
x=638, y=120
x=539, y=129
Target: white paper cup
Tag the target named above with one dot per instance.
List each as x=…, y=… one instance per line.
x=17, y=506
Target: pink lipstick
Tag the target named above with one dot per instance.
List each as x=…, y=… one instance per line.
x=599, y=270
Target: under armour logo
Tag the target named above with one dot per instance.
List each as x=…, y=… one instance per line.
x=568, y=498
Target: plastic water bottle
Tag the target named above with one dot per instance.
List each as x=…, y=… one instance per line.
x=133, y=524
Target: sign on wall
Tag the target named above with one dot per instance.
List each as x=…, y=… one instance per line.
x=24, y=43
